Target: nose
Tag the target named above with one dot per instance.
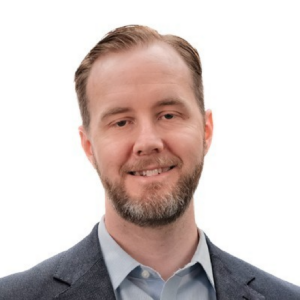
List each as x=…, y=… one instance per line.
x=147, y=141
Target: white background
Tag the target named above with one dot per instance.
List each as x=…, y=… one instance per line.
x=247, y=201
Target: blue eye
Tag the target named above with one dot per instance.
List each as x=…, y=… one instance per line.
x=121, y=123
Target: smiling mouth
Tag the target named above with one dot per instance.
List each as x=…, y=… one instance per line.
x=154, y=172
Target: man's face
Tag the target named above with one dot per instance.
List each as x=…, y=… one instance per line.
x=147, y=135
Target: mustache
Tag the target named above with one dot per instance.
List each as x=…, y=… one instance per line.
x=156, y=161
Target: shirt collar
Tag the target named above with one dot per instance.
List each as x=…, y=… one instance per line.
x=119, y=263
x=203, y=258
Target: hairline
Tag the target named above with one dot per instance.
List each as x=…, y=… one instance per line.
x=140, y=46
x=136, y=43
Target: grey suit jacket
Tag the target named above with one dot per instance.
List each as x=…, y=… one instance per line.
x=80, y=274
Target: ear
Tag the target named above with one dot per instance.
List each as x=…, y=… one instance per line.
x=86, y=145
x=209, y=127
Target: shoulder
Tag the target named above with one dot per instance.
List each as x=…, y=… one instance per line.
x=35, y=283
x=266, y=284
x=55, y=275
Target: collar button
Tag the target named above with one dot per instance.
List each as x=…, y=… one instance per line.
x=145, y=274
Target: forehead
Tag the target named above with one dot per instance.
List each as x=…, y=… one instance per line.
x=134, y=65
x=143, y=73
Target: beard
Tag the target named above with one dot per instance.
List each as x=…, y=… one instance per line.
x=154, y=208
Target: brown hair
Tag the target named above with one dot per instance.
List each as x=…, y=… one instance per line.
x=125, y=38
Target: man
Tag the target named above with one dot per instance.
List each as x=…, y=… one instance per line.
x=146, y=132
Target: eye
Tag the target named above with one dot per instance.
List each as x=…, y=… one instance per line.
x=121, y=123
x=168, y=116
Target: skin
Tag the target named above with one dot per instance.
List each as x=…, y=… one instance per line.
x=142, y=106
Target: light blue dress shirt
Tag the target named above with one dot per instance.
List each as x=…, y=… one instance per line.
x=132, y=280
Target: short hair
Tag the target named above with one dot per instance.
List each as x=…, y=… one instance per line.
x=128, y=37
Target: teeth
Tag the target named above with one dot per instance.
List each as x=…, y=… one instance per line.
x=149, y=173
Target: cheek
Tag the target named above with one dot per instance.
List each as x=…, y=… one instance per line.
x=111, y=154
x=188, y=143
x=190, y=150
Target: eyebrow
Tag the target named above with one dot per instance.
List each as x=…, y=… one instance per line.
x=119, y=110
x=114, y=111
x=169, y=102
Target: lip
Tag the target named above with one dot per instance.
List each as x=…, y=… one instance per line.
x=151, y=171
x=150, y=168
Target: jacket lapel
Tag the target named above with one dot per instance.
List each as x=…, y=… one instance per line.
x=231, y=279
x=83, y=269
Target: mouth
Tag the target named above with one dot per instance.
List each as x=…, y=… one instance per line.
x=153, y=172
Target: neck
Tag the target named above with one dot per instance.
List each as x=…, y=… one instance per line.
x=165, y=249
